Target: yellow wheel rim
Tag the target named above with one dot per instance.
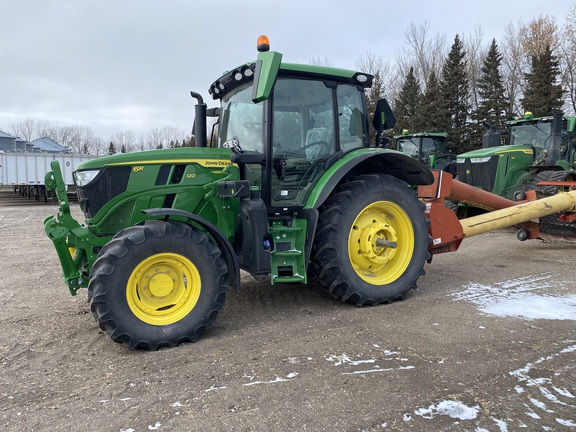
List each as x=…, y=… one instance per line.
x=381, y=222
x=163, y=289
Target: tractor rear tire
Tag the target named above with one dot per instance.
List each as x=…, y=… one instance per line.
x=157, y=285
x=346, y=259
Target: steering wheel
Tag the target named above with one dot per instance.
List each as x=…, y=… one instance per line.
x=302, y=150
x=253, y=126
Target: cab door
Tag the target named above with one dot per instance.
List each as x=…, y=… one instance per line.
x=303, y=138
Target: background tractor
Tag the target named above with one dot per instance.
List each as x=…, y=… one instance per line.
x=539, y=153
x=430, y=148
x=536, y=149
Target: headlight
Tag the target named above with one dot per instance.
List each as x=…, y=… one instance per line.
x=82, y=178
x=480, y=159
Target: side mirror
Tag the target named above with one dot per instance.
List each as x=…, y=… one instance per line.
x=384, y=118
x=383, y=141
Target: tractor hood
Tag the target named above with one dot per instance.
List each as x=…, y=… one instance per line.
x=203, y=156
x=493, y=151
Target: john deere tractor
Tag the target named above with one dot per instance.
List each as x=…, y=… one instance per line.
x=290, y=187
x=536, y=151
x=430, y=148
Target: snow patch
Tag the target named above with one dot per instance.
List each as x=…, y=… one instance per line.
x=516, y=298
x=453, y=409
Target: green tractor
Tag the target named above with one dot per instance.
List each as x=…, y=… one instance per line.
x=430, y=148
x=291, y=187
x=536, y=150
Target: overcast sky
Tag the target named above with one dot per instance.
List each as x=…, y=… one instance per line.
x=119, y=65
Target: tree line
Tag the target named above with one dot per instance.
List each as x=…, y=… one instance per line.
x=462, y=88
x=83, y=139
x=431, y=86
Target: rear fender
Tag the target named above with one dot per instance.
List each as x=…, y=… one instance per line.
x=369, y=161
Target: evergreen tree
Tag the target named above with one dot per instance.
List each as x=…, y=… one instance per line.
x=454, y=94
x=123, y=149
x=543, y=94
x=427, y=113
x=111, y=148
x=406, y=105
x=493, y=104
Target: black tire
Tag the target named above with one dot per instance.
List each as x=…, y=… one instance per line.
x=544, y=191
x=357, y=212
x=157, y=284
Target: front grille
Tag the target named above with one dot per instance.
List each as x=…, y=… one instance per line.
x=478, y=172
x=109, y=183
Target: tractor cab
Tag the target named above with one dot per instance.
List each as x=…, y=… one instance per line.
x=305, y=125
x=286, y=124
x=430, y=148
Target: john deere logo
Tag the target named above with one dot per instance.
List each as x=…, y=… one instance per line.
x=217, y=163
x=138, y=168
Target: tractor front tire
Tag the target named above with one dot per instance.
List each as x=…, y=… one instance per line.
x=371, y=242
x=157, y=285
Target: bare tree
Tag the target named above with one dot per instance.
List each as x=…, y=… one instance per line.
x=25, y=129
x=154, y=139
x=124, y=139
x=141, y=144
x=423, y=53
x=171, y=136
x=30, y=129
x=318, y=61
x=79, y=139
x=538, y=34
x=567, y=57
x=380, y=68
x=475, y=54
x=514, y=65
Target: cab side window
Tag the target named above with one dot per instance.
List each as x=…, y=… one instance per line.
x=352, y=122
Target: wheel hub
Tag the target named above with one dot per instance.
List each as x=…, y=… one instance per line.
x=380, y=242
x=161, y=285
x=163, y=288
x=368, y=244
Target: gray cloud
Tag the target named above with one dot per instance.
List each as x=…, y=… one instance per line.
x=130, y=64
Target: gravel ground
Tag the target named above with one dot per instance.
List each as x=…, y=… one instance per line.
x=487, y=343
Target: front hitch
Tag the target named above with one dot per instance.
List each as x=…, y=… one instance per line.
x=72, y=241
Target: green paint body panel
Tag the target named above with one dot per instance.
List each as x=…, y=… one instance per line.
x=269, y=63
x=195, y=192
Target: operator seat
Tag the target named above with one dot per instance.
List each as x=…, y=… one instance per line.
x=322, y=136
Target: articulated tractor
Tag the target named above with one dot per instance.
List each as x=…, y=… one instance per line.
x=539, y=155
x=291, y=189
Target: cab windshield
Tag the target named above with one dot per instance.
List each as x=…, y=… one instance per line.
x=241, y=120
x=533, y=134
x=408, y=146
